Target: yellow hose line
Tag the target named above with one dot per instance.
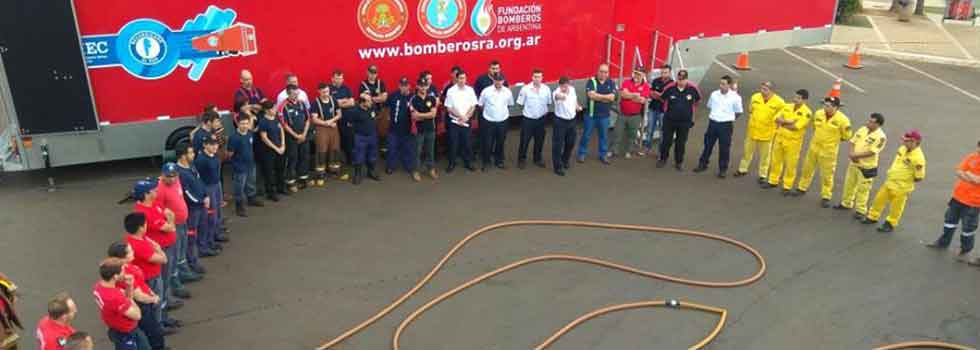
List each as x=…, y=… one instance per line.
x=459, y=246
x=925, y=345
x=722, y=313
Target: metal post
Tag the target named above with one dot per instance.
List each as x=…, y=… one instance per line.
x=609, y=38
x=656, y=45
x=622, y=60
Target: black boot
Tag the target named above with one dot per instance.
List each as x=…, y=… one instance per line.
x=370, y=172
x=357, y=174
x=255, y=202
x=240, y=209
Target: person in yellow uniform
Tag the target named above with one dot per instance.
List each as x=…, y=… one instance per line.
x=830, y=128
x=791, y=124
x=763, y=108
x=908, y=168
x=866, y=143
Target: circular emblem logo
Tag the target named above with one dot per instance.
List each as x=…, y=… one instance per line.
x=148, y=48
x=441, y=19
x=382, y=20
x=483, y=20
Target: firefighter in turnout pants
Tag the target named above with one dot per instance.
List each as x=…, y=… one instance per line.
x=866, y=143
x=830, y=128
x=296, y=124
x=908, y=168
x=791, y=125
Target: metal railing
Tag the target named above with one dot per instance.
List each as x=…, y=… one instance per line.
x=610, y=42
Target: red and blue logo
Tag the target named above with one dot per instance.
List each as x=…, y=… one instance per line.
x=149, y=49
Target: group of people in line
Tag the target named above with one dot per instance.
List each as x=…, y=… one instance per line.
x=296, y=142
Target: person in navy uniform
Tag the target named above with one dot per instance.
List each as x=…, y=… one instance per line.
x=679, y=102
x=273, y=147
x=401, y=137
x=196, y=196
x=240, y=146
x=374, y=89
x=296, y=123
x=345, y=101
x=365, y=140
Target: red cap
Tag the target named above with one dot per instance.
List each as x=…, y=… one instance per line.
x=913, y=134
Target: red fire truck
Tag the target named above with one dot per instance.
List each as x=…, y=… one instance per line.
x=98, y=80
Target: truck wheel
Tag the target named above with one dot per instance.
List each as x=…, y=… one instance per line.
x=181, y=135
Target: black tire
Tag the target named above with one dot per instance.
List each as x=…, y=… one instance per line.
x=182, y=134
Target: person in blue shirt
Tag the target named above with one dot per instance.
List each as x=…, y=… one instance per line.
x=401, y=136
x=679, y=102
x=296, y=123
x=272, y=143
x=210, y=123
x=365, y=140
x=209, y=167
x=196, y=196
x=240, y=149
x=600, y=94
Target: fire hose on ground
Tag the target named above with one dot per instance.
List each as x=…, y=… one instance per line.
x=722, y=313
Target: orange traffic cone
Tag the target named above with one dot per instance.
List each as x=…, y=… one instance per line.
x=743, y=61
x=835, y=89
x=854, y=62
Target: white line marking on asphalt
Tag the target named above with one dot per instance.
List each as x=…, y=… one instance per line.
x=723, y=65
x=933, y=77
x=881, y=36
x=953, y=39
x=819, y=68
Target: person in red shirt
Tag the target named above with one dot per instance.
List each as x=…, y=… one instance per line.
x=116, y=307
x=170, y=196
x=160, y=228
x=634, y=97
x=146, y=300
x=963, y=208
x=147, y=254
x=54, y=329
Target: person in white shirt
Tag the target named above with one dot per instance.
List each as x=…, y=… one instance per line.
x=535, y=97
x=725, y=105
x=563, y=135
x=495, y=101
x=460, y=105
x=292, y=79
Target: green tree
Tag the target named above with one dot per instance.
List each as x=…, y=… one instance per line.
x=847, y=8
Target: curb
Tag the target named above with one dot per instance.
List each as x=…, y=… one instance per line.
x=900, y=55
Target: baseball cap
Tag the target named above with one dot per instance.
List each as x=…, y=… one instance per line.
x=142, y=187
x=913, y=134
x=498, y=77
x=404, y=81
x=835, y=101
x=169, y=169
